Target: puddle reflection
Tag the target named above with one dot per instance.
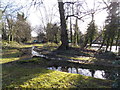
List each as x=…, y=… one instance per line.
x=101, y=74
x=86, y=72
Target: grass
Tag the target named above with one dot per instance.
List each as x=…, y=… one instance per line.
x=26, y=46
x=11, y=44
x=9, y=55
x=22, y=76
x=78, y=58
x=50, y=46
x=6, y=60
x=17, y=45
x=30, y=74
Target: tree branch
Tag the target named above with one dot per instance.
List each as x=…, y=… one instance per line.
x=74, y=16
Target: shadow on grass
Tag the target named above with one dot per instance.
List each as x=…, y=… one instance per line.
x=22, y=72
x=16, y=75
x=73, y=52
x=14, y=55
x=35, y=77
x=89, y=82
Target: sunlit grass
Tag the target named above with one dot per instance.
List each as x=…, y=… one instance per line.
x=36, y=77
x=28, y=73
x=10, y=44
x=83, y=58
x=9, y=51
x=50, y=46
x=25, y=46
x=6, y=60
x=17, y=45
x=78, y=58
x=9, y=55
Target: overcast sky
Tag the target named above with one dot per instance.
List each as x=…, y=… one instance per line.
x=48, y=12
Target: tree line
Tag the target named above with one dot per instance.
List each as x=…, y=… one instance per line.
x=110, y=34
x=16, y=29
x=68, y=33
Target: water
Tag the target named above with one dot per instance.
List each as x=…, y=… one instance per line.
x=101, y=74
x=35, y=53
x=86, y=72
x=96, y=47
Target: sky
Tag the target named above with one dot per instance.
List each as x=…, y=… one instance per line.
x=44, y=12
x=36, y=18
x=49, y=12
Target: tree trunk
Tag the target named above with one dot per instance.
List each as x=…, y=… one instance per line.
x=76, y=33
x=55, y=39
x=104, y=38
x=9, y=38
x=111, y=43
x=64, y=35
x=119, y=51
x=78, y=39
x=118, y=36
x=75, y=38
x=107, y=45
x=4, y=34
x=71, y=31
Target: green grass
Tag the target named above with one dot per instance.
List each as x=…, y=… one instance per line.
x=17, y=45
x=42, y=62
x=26, y=46
x=22, y=76
x=78, y=58
x=30, y=74
x=50, y=46
x=9, y=55
x=6, y=60
x=11, y=44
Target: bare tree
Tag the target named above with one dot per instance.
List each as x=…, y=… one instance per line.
x=64, y=35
